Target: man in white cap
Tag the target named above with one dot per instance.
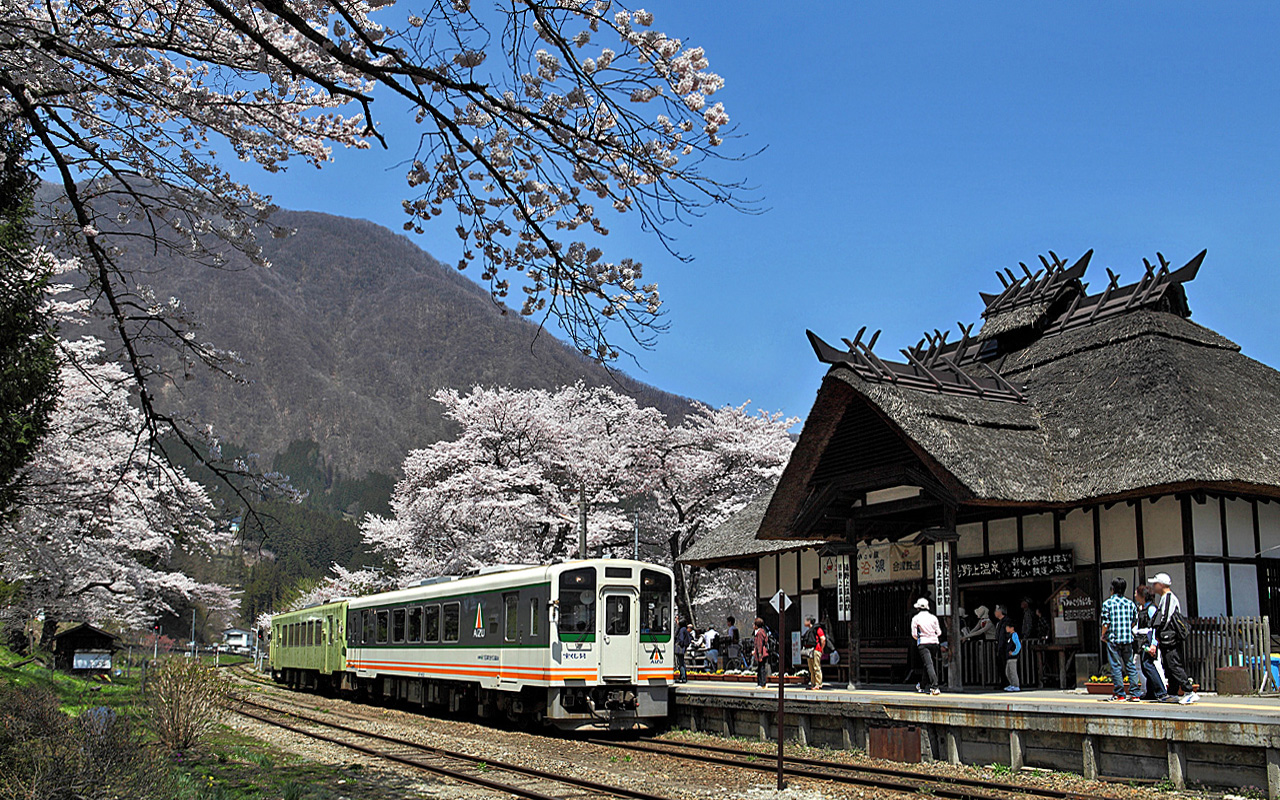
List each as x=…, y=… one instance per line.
x=926, y=630
x=1170, y=631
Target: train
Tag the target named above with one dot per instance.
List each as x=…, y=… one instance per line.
x=572, y=645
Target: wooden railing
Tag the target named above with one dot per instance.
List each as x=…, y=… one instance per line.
x=982, y=665
x=1229, y=642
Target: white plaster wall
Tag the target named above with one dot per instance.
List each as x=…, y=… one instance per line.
x=1037, y=532
x=809, y=569
x=1177, y=574
x=1162, y=527
x=768, y=576
x=790, y=578
x=1244, y=590
x=1002, y=535
x=1269, y=528
x=1239, y=529
x=1131, y=578
x=1077, y=535
x=1211, y=590
x=1206, y=521
x=970, y=543
x=1119, y=533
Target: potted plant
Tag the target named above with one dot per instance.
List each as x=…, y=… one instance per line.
x=1101, y=684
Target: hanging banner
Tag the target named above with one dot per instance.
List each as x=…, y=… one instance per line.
x=1017, y=566
x=942, y=578
x=844, y=595
x=873, y=564
x=906, y=562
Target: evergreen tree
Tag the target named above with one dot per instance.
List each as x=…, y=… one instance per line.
x=28, y=350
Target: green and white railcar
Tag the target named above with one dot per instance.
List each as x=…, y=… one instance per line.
x=309, y=647
x=583, y=643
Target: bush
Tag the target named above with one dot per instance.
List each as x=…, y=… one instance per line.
x=46, y=754
x=186, y=699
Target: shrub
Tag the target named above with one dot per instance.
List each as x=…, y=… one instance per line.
x=46, y=754
x=186, y=699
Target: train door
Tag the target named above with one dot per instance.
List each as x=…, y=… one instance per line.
x=620, y=636
x=509, y=651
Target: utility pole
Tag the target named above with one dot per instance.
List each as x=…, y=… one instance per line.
x=637, y=550
x=193, y=633
x=582, y=520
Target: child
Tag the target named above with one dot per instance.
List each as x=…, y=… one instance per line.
x=1011, y=656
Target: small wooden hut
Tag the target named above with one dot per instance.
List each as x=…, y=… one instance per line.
x=84, y=648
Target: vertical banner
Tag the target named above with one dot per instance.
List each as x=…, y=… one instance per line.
x=942, y=579
x=844, y=601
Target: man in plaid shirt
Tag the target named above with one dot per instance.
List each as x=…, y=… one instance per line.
x=1119, y=618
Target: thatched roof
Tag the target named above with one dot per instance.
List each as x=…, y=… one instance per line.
x=736, y=538
x=1113, y=395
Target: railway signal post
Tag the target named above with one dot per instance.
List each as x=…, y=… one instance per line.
x=781, y=602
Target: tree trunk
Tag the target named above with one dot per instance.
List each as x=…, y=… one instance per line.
x=47, y=631
x=683, y=606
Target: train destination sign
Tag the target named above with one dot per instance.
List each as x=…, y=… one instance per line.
x=1016, y=566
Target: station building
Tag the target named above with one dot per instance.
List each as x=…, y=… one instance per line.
x=1079, y=434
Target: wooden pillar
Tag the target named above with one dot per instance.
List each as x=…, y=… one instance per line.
x=854, y=629
x=1090, y=753
x=955, y=680
x=1017, y=754
x=1178, y=765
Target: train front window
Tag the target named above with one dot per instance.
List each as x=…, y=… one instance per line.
x=415, y=624
x=452, y=621
x=655, y=603
x=617, y=615
x=577, y=603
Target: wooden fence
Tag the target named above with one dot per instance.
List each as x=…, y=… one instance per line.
x=982, y=665
x=1230, y=642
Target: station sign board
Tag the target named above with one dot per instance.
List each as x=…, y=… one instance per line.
x=1016, y=566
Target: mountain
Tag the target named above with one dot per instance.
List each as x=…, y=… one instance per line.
x=348, y=335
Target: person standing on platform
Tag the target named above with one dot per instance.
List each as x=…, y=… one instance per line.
x=760, y=652
x=1171, y=631
x=1119, y=618
x=1014, y=645
x=709, y=648
x=812, y=642
x=927, y=632
x=1002, y=619
x=684, y=638
x=1145, y=642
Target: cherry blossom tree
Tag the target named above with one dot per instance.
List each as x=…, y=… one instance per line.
x=538, y=123
x=340, y=582
x=708, y=470
x=507, y=489
x=100, y=518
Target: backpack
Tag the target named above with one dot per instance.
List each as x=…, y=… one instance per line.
x=1174, y=628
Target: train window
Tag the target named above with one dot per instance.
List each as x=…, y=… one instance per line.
x=617, y=615
x=452, y=618
x=370, y=626
x=617, y=572
x=382, y=626
x=431, y=624
x=655, y=603
x=511, y=617
x=397, y=626
x=353, y=626
x=535, y=616
x=415, y=624
x=577, y=603
x=308, y=633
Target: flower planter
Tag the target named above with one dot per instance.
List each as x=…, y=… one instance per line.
x=1099, y=687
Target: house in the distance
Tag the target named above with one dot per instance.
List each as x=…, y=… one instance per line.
x=1086, y=430
x=237, y=640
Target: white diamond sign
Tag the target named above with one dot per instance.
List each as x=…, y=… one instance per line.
x=780, y=601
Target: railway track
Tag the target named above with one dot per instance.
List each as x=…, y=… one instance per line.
x=883, y=778
x=517, y=780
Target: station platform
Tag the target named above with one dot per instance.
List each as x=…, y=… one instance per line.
x=1218, y=742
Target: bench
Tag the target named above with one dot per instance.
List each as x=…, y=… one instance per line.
x=886, y=660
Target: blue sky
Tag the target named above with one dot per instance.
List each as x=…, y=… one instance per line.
x=913, y=148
